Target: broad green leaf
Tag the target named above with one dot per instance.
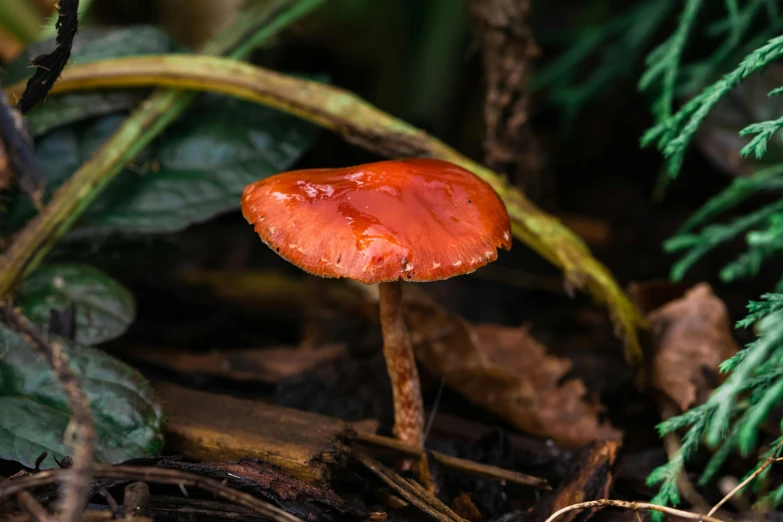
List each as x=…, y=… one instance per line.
x=128, y=416
x=200, y=167
x=59, y=154
x=91, y=44
x=194, y=172
x=104, y=308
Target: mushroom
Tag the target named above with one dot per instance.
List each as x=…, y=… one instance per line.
x=413, y=219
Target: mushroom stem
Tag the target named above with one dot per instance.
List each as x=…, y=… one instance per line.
x=401, y=365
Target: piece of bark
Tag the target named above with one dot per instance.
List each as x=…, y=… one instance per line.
x=262, y=365
x=507, y=372
x=691, y=336
x=211, y=427
x=261, y=479
x=136, y=502
x=508, y=52
x=590, y=477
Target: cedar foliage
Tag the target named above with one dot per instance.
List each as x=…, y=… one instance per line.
x=742, y=39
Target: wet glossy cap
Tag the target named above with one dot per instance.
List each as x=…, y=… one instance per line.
x=416, y=219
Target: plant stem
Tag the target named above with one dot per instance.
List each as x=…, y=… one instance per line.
x=139, y=129
x=401, y=365
x=364, y=125
x=81, y=429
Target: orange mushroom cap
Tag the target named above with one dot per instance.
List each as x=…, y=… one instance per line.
x=414, y=219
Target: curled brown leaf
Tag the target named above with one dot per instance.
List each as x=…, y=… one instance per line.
x=507, y=372
x=691, y=335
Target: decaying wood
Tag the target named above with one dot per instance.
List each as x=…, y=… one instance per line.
x=590, y=477
x=411, y=491
x=270, y=483
x=151, y=475
x=220, y=428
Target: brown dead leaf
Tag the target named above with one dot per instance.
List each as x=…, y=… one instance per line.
x=507, y=372
x=691, y=337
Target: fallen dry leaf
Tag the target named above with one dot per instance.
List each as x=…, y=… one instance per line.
x=507, y=372
x=691, y=337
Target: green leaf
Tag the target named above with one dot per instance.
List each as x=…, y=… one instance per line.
x=196, y=171
x=91, y=44
x=200, y=167
x=59, y=154
x=104, y=308
x=128, y=416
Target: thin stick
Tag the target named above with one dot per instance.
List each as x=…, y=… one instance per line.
x=770, y=460
x=411, y=491
x=81, y=430
x=455, y=463
x=635, y=506
x=155, y=475
x=34, y=508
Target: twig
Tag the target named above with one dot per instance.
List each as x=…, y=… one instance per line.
x=49, y=66
x=635, y=506
x=359, y=123
x=411, y=491
x=80, y=433
x=772, y=459
x=34, y=508
x=155, y=475
x=466, y=466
